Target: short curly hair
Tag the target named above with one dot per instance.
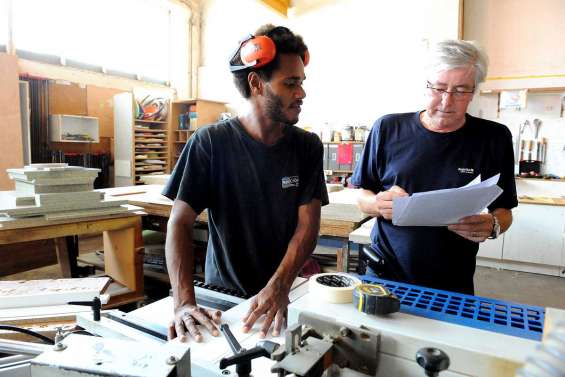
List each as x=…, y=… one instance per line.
x=286, y=42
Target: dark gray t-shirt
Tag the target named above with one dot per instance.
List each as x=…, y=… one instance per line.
x=252, y=193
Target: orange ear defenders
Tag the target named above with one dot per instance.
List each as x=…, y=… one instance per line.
x=256, y=52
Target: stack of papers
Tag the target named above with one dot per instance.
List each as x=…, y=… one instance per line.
x=444, y=207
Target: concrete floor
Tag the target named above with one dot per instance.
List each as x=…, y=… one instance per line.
x=521, y=287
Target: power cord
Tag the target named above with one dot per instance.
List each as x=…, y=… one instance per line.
x=28, y=332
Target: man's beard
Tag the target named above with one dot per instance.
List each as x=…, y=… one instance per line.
x=274, y=109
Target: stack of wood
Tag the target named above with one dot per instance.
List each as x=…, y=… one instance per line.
x=55, y=192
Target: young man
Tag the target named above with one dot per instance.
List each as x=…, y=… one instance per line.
x=261, y=179
x=440, y=147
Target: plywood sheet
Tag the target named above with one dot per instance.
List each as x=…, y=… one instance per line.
x=67, y=98
x=11, y=140
x=100, y=104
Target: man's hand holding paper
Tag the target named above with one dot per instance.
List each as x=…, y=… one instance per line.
x=476, y=228
x=458, y=208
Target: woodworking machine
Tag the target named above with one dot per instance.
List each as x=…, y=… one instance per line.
x=430, y=336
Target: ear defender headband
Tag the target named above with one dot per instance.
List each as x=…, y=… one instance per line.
x=256, y=52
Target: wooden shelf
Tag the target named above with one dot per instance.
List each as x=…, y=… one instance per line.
x=150, y=139
x=207, y=112
x=145, y=170
x=137, y=129
x=150, y=121
x=555, y=90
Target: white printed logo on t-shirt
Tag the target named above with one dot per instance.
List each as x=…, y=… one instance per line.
x=291, y=181
x=466, y=170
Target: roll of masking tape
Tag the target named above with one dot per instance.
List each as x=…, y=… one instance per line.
x=336, y=288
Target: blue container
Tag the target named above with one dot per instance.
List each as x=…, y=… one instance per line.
x=523, y=321
x=182, y=122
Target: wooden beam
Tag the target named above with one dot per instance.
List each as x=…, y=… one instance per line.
x=280, y=6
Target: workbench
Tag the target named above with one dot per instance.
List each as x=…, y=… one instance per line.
x=123, y=246
x=338, y=219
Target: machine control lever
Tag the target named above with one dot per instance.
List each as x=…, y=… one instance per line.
x=96, y=305
x=242, y=357
x=232, y=341
x=433, y=360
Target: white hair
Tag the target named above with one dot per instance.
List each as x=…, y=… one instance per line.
x=452, y=53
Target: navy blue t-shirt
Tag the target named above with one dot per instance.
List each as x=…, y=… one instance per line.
x=252, y=192
x=401, y=151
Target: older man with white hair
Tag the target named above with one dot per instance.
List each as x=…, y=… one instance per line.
x=437, y=148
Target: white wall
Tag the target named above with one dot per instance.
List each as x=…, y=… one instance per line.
x=224, y=23
x=365, y=55
x=525, y=42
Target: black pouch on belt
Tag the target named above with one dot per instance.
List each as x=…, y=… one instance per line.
x=386, y=267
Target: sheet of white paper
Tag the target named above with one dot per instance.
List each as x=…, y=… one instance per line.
x=443, y=207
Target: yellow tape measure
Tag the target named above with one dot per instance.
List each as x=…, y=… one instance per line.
x=375, y=299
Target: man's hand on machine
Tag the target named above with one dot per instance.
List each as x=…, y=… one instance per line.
x=187, y=317
x=271, y=302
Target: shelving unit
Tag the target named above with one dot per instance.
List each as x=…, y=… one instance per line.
x=73, y=129
x=208, y=112
x=331, y=158
x=141, y=145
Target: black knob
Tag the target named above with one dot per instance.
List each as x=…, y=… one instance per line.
x=433, y=360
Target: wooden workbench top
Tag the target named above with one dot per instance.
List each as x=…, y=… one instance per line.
x=543, y=200
x=339, y=218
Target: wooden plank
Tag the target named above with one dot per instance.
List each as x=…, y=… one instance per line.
x=123, y=256
x=63, y=256
x=47, y=292
x=11, y=140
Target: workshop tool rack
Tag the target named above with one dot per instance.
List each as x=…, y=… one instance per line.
x=524, y=321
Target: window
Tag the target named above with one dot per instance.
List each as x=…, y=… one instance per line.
x=126, y=36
